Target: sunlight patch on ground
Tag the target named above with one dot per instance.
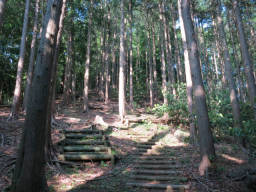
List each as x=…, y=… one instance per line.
x=234, y=159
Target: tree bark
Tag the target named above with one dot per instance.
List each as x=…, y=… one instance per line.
x=207, y=150
x=68, y=69
x=189, y=84
x=32, y=56
x=88, y=60
x=106, y=59
x=167, y=48
x=55, y=59
x=131, y=54
x=121, y=67
x=246, y=57
x=228, y=67
x=2, y=7
x=17, y=90
x=29, y=172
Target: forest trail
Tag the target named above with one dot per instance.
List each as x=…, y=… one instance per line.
x=150, y=156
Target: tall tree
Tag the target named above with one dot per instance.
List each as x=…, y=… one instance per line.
x=207, y=150
x=29, y=172
x=130, y=54
x=228, y=66
x=246, y=57
x=17, y=90
x=121, y=92
x=32, y=56
x=68, y=68
x=88, y=60
x=189, y=84
x=2, y=7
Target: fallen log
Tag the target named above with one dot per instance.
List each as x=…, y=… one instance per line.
x=84, y=131
x=159, y=166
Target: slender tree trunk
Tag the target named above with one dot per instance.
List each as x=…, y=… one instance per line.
x=121, y=67
x=55, y=60
x=176, y=44
x=17, y=90
x=114, y=74
x=189, y=84
x=68, y=69
x=163, y=70
x=228, y=67
x=107, y=53
x=151, y=98
x=88, y=60
x=154, y=53
x=29, y=172
x=246, y=57
x=2, y=7
x=32, y=56
x=131, y=55
x=207, y=150
x=167, y=48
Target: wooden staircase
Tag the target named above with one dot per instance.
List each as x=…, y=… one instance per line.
x=87, y=144
x=156, y=172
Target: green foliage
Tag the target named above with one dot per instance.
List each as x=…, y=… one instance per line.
x=177, y=106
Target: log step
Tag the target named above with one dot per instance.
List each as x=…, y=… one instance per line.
x=155, y=172
x=83, y=136
x=85, y=148
x=85, y=157
x=155, y=162
x=83, y=142
x=159, y=178
x=84, y=131
x=159, y=166
x=152, y=157
x=168, y=187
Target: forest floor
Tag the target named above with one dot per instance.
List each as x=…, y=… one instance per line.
x=227, y=172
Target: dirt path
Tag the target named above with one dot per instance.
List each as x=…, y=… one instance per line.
x=148, y=154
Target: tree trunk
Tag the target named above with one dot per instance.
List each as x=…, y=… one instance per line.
x=163, y=70
x=131, y=56
x=151, y=98
x=176, y=44
x=32, y=56
x=167, y=48
x=29, y=172
x=55, y=59
x=17, y=90
x=207, y=150
x=189, y=84
x=107, y=53
x=121, y=67
x=228, y=67
x=246, y=57
x=2, y=7
x=88, y=60
x=68, y=69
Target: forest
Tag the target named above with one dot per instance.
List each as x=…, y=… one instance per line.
x=127, y=95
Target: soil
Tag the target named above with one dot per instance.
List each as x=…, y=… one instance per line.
x=227, y=173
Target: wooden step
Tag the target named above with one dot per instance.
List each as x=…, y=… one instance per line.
x=153, y=162
x=167, y=187
x=85, y=148
x=159, y=166
x=152, y=157
x=155, y=172
x=83, y=136
x=83, y=142
x=84, y=131
x=159, y=178
x=85, y=157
